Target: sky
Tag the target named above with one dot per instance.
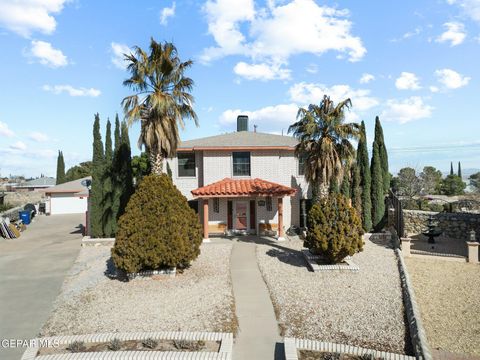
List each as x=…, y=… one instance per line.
x=413, y=63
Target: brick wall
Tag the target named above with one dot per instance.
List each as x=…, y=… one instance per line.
x=278, y=166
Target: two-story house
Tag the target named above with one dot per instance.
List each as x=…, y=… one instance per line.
x=242, y=182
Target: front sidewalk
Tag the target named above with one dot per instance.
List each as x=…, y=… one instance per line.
x=258, y=336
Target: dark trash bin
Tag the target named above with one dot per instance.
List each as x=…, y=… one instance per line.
x=25, y=216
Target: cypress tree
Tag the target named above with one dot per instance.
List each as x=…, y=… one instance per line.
x=451, y=168
x=378, y=200
x=365, y=179
x=383, y=155
x=333, y=188
x=356, y=191
x=345, y=187
x=60, y=168
x=96, y=197
x=126, y=173
x=117, y=134
x=116, y=181
x=459, y=170
x=108, y=191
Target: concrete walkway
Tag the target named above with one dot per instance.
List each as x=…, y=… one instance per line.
x=32, y=269
x=258, y=337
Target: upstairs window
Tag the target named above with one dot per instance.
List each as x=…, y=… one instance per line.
x=301, y=165
x=186, y=164
x=241, y=163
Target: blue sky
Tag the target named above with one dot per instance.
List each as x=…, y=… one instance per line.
x=413, y=63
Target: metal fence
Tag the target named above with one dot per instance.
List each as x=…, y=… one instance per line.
x=396, y=204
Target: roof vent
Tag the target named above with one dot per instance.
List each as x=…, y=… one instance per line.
x=242, y=123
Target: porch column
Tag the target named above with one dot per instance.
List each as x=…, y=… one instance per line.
x=280, y=219
x=205, y=221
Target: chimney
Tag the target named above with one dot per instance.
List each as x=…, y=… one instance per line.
x=242, y=123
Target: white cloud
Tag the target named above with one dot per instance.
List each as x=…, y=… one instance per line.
x=451, y=79
x=47, y=54
x=275, y=33
x=406, y=110
x=308, y=93
x=366, y=78
x=261, y=71
x=26, y=16
x=434, y=89
x=166, y=13
x=72, y=91
x=5, y=131
x=19, y=145
x=470, y=7
x=119, y=51
x=454, y=34
x=268, y=119
x=407, y=81
x=38, y=136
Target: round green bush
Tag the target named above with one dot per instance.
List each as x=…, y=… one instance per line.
x=334, y=229
x=158, y=229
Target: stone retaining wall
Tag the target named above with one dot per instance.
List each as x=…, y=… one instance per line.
x=12, y=214
x=417, y=332
x=453, y=225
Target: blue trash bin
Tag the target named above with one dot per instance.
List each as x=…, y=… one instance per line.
x=25, y=217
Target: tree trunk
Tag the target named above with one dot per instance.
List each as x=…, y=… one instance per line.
x=319, y=191
x=156, y=162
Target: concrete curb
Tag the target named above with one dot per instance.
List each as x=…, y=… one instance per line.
x=88, y=241
x=312, y=264
x=417, y=332
x=292, y=345
x=224, y=353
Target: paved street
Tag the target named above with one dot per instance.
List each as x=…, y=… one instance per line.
x=32, y=269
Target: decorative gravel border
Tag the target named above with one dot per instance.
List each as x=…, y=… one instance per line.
x=313, y=265
x=293, y=345
x=417, y=332
x=225, y=352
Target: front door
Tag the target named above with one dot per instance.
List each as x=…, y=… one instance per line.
x=241, y=215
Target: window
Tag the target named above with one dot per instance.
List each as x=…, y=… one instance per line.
x=186, y=164
x=301, y=165
x=269, y=203
x=241, y=163
x=216, y=205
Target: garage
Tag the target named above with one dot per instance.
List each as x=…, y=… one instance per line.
x=68, y=198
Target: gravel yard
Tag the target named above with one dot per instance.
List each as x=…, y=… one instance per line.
x=363, y=309
x=448, y=294
x=200, y=299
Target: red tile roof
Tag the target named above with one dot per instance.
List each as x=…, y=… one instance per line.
x=243, y=187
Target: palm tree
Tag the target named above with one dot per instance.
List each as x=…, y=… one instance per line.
x=161, y=101
x=324, y=143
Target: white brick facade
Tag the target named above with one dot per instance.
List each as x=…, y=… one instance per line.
x=279, y=166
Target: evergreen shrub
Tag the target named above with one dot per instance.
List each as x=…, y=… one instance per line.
x=158, y=229
x=334, y=229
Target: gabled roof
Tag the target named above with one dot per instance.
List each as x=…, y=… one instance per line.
x=74, y=186
x=242, y=140
x=243, y=187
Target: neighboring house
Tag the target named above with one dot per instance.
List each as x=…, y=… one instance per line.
x=67, y=198
x=242, y=182
x=41, y=183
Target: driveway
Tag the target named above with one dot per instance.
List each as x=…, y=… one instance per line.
x=32, y=269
